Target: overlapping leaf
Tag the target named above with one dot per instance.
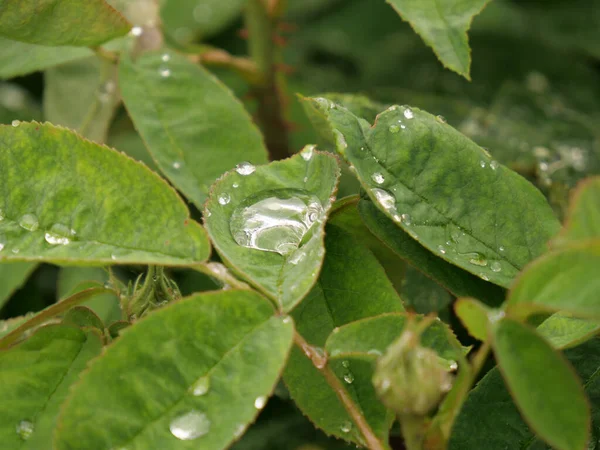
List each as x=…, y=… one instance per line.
x=191, y=375
x=66, y=199
x=193, y=126
x=12, y=277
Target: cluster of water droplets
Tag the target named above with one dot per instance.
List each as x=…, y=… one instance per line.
x=25, y=429
x=348, y=375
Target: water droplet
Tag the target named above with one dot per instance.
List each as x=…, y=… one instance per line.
x=286, y=319
x=406, y=219
x=25, y=429
x=29, y=222
x=340, y=140
x=482, y=164
x=113, y=257
x=441, y=249
x=275, y=221
x=384, y=198
x=136, y=31
x=484, y=277
x=408, y=113
x=495, y=315
x=477, y=259
x=260, y=402
x=224, y=199
x=307, y=153
x=544, y=166
x=496, y=267
x=201, y=386
x=378, y=178
x=346, y=427
x=245, y=168
x=165, y=72
x=177, y=165
x=375, y=352
x=501, y=248
x=15, y=250
x=58, y=234
x=394, y=129
x=349, y=378
x=453, y=365
x=235, y=185
x=441, y=119
x=166, y=57
x=494, y=165
x=16, y=123
x=346, y=364
x=239, y=430
x=190, y=425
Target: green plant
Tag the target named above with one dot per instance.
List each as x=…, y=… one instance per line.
x=394, y=283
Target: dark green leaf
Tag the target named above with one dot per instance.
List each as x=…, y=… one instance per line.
x=12, y=277
x=543, y=385
x=457, y=281
x=280, y=208
x=35, y=377
x=500, y=427
x=583, y=220
x=83, y=23
x=120, y=212
x=191, y=375
x=352, y=286
x=18, y=58
x=443, y=26
x=193, y=126
x=445, y=191
x=83, y=317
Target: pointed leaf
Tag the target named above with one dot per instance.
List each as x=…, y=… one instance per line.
x=543, y=385
x=35, y=377
x=119, y=210
x=443, y=26
x=190, y=375
x=84, y=23
x=445, y=191
x=18, y=58
x=583, y=220
x=459, y=282
x=352, y=286
x=193, y=126
x=301, y=189
x=12, y=277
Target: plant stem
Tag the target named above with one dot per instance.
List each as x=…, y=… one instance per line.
x=261, y=21
x=221, y=58
x=413, y=431
x=320, y=362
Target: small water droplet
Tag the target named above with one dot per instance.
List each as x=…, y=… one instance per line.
x=113, y=257
x=201, y=386
x=494, y=165
x=239, y=430
x=346, y=427
x=260, y=402
x=166, y=57
x=375, y=352
x=349, y=378
x=176, y=165
x=340, y=140
x=441, y=119
x=307, y=153
x=482, y=164
x=441, y=249
x=190, y=425
x=394, y=129
x=501, y=248
x=29, y=222
x=224, y=199
x=406, y=219
x=544, y=166
x=165, y=72
x=384, y=198
x=235, y=185
x=15, y=250
x=276, y=220
x=453, y=365
x=346, y=364
x=245, y=168
x=408, y=113
x=16, y=123
x=378, y=178
x=484, y=277
x=137, y=31
x=25, y=429
x=496, y=266
x=58, y=234
x=286, y=319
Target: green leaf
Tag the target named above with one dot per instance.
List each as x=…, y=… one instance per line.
x=443, y=26
x=562, y=280
x=83, y=23
x=90, y=112
x=193, y=126
x=119, y=210
x=474, y=317
x=352, y=286
x=501, y=426
x=12, y=277
x=191, y=375
x=583, y=221
x=543, y=385
x=18, y=58
x=301, y=188
x=563, y=331
x=445, y=191
x=35, y=377
x=192, y=21
x=459, y=282
x=83, y=317
x=123, y=136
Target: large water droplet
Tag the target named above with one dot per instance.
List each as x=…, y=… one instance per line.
x=349, y=378
x=408, y=113
x=260, y=402
x=406, y=219
x=224, y=198
x=378, y=178
x=201, y=386
x=496, y=266
x=29, y=222
x=58, y=234
x=346, y=427
x=275, y=221
x=384, y=198
x=494, y=165
x=307, y=153
x=477, y=259
x=190, y=425
x=16, y=123
x=245, y=168
x=25, y=429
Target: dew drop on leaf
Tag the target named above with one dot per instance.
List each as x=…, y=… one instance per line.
x=224, y=199
x=307, y=153
x=378, y=178
x=394, y=129
x=346, y=427
x=29, y=222
x=136, y=31
x=166, y=57
x=165, y=72
x=495, y=266
x=408, y=113
x=260, y=402
x=494, y=165
x=477, y=259
x=384, y=198
x=275, y=220
x=16, y=123
x=25, y=429
x=190, y=425
x=176, y=165
x=406, y=219
x=58, y=234
x=441, y=119
x=349, y=378
x=482, y=164
x=245, y=168
x=441, y=249
x=201, y=386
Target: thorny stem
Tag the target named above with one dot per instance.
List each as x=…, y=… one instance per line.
x=320, y=362
x=262, y=18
